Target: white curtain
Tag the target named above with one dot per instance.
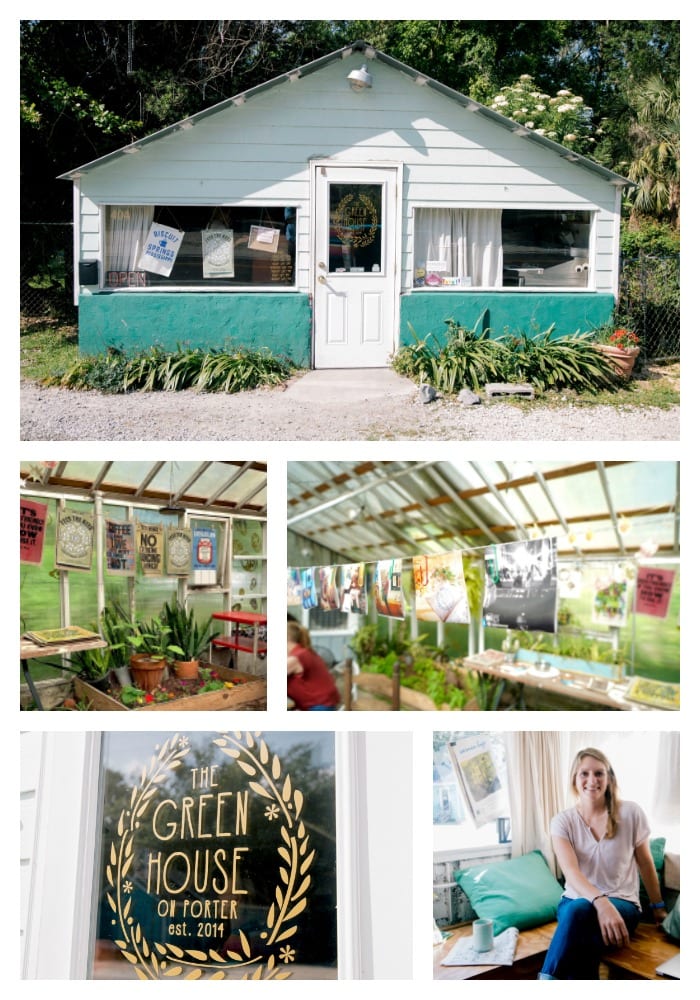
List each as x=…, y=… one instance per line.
x=127, y=231
x=537, y=767
x=667, y=787
x=468, y=241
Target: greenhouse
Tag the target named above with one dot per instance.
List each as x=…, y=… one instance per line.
x=490, y=585
x=143, y=585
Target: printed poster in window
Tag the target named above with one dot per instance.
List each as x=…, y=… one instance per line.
x=309, y=598
x=610, y=599
x=521, y=585
x=294, y=587
x=75, y=532
x=204, y=562
x=161, y=249
x=327, y=588
x=120, y=548
x=32, y=526
x=388, y=592
x=178, y=551
x=353, y=594
x=217, y=253
x=151, y=548
x=482, y=777
x=264, y=238
x=654, y=588
x=441, y=592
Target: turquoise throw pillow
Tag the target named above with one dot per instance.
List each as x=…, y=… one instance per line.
x=518, y=893
x=672, y=923
x=658, y=849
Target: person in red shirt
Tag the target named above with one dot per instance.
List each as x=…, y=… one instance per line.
x=310, y=683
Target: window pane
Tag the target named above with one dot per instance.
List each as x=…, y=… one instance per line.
x=220, y=246
x=545, y=248
x=355, y=227
x=217, y=857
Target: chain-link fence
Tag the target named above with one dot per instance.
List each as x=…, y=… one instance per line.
x=46, y=271
x=650, y=303
x=649, y=288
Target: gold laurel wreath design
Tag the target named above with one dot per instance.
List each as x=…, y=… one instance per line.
x=363, y=239
x=156, y=960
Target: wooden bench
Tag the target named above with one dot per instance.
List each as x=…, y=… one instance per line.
x=648, y=948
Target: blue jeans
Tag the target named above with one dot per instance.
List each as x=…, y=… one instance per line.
x=577, y=947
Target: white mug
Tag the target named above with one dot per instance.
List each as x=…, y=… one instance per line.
x=482, y=932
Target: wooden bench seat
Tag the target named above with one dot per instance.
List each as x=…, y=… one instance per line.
x=648, y=948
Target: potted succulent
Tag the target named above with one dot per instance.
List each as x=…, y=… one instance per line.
x=190, y=637
x=151, y=642
x=621, y=347
x=96, y=665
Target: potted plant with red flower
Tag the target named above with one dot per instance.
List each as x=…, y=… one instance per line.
x=621, y=346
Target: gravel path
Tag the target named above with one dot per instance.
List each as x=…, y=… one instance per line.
x=279, y=415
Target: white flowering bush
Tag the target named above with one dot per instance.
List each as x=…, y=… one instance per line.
x=565, y=118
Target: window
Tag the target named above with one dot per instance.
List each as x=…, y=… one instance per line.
x=218, y=247
x=217, y=857
x=496, y=248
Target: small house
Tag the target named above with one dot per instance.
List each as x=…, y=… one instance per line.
x=327, y=212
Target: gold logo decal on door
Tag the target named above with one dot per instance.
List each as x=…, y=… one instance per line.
x=355, y=220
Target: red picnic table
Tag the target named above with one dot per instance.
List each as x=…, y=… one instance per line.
x=237, y=642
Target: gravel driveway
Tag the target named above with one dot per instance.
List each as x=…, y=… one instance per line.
x=292, y=414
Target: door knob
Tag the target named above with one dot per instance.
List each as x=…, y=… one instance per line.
x=322, y=279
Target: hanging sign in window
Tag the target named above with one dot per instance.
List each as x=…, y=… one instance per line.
x=32, y=525
x=264, y=238
x=217, y=253
x=161, y=250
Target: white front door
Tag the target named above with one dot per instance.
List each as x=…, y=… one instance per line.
x=354, y=267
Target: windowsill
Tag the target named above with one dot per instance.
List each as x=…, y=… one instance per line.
x=455, y=854
x=519, y=289
x=90, y=290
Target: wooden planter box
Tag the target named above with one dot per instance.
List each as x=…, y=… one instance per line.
x=242, y=696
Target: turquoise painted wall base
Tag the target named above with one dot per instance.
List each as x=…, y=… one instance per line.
x=518, y=313
x=134, y=322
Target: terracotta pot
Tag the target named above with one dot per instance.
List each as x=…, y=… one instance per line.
x=186, y=670
x=621, y=358
x=147, y=671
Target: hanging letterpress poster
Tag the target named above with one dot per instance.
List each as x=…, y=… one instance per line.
x=610, y=599
x=352, y=589
x=150, y=542
x=388, y=592
x=120, y=548
x=217, y=857
x=441, y=593
x=179, y=551
x=294, y=587
x=309, y=597
x=479, y=762
x=161, y=249
x=654, y=587
x=32, y=525
x=217, y=253
x=204, y=563
x=75, y=532
x=521, y=585
x=328, y=599
x=264, y=238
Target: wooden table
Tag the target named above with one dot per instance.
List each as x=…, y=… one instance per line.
x=529, y=955
x=29, y=650
x=573, y=686
x=237, y=642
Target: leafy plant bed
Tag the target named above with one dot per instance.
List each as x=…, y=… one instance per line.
x=238, y=691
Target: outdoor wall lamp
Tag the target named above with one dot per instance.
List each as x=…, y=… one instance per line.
x=360, y=79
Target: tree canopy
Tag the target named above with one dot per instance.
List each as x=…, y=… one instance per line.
x=88, y=87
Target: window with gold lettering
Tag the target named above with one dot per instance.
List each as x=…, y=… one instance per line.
x=355, y=228
x=217, y=857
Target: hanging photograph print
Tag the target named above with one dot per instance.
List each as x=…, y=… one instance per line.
x=294, y=587
x=521, y=585
x=610, y=599
x=327, y=590
x=32, y=526
x=481, y=770
x=309, y=597
x=388, y=592
x=74, y=539
x=178, y=551
x=151, y=548
x=654, y=588
x=570, y=580
x=441, y=592
x=217, y=253
x=161, y=250
x=353, y=595
x=120, y=548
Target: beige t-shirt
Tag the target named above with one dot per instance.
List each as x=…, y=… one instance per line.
x=609, y=865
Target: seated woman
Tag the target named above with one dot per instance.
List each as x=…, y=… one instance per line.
x=602, y=846
x=310, y=683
